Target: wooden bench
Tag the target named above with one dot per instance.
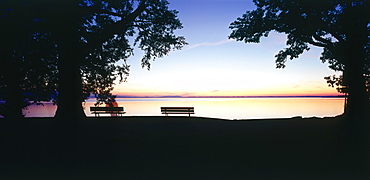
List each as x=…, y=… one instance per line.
x=177, y=110
x=107, y=110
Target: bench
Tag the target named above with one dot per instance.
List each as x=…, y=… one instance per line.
x=177, y=110
x=107, y=110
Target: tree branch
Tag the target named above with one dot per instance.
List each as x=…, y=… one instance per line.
x=95, y=40
x=325, y=27
x=323, y=40
x=311, y=41
x=141, y=21
x=104, y=11
x=334, y=34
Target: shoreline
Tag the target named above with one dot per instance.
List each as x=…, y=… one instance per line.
x=184, y=117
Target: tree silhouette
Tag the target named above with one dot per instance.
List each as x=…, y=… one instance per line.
x=27, y=74
x=341, y=85
x=340, y=27
x=91, y=36
x=98, y=31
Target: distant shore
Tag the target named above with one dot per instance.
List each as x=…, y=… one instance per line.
x=273, y=96
x=160, y=147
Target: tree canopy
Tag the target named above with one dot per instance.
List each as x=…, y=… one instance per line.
x=340, y=27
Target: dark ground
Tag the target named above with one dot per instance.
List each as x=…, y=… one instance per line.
x=179, y=148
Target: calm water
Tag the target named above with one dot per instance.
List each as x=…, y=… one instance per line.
x=227, y=108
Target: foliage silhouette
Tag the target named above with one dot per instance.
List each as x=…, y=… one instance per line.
x=341, y=28
x=27, y=74
x=91, y=36
x=339, y=83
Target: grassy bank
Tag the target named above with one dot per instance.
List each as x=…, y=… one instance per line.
x=178, y=148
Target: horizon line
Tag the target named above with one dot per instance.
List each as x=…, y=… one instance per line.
x=270, y=96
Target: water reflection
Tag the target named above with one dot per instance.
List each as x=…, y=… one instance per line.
x=228, y=108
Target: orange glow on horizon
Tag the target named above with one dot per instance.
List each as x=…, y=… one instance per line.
x=225, y=94
x=317, y=88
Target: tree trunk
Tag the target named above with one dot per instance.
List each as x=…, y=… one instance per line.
x=70, y=89
x=13, y=92
x=354, y=53
x=358, y=105
x=70, y=83
x=14, y=95
x=358, y=101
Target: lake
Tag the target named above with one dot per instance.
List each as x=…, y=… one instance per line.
x=227, y=108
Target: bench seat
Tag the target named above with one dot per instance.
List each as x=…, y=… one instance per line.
x=107, y=110
x=177, y=110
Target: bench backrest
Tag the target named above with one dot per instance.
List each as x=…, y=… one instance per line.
x=106, y=108
x=177, y=109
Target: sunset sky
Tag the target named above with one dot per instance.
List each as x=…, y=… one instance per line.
x=213, y=65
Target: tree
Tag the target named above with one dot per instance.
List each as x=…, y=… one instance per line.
x=89, y=38
x=340, y=27
x=27, y=74
x=339, y=83
x=99, y=31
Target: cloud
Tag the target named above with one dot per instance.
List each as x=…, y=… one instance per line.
x=209, y=44
x=296, y=86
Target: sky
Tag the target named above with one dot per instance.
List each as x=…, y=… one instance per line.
x=213, y=65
